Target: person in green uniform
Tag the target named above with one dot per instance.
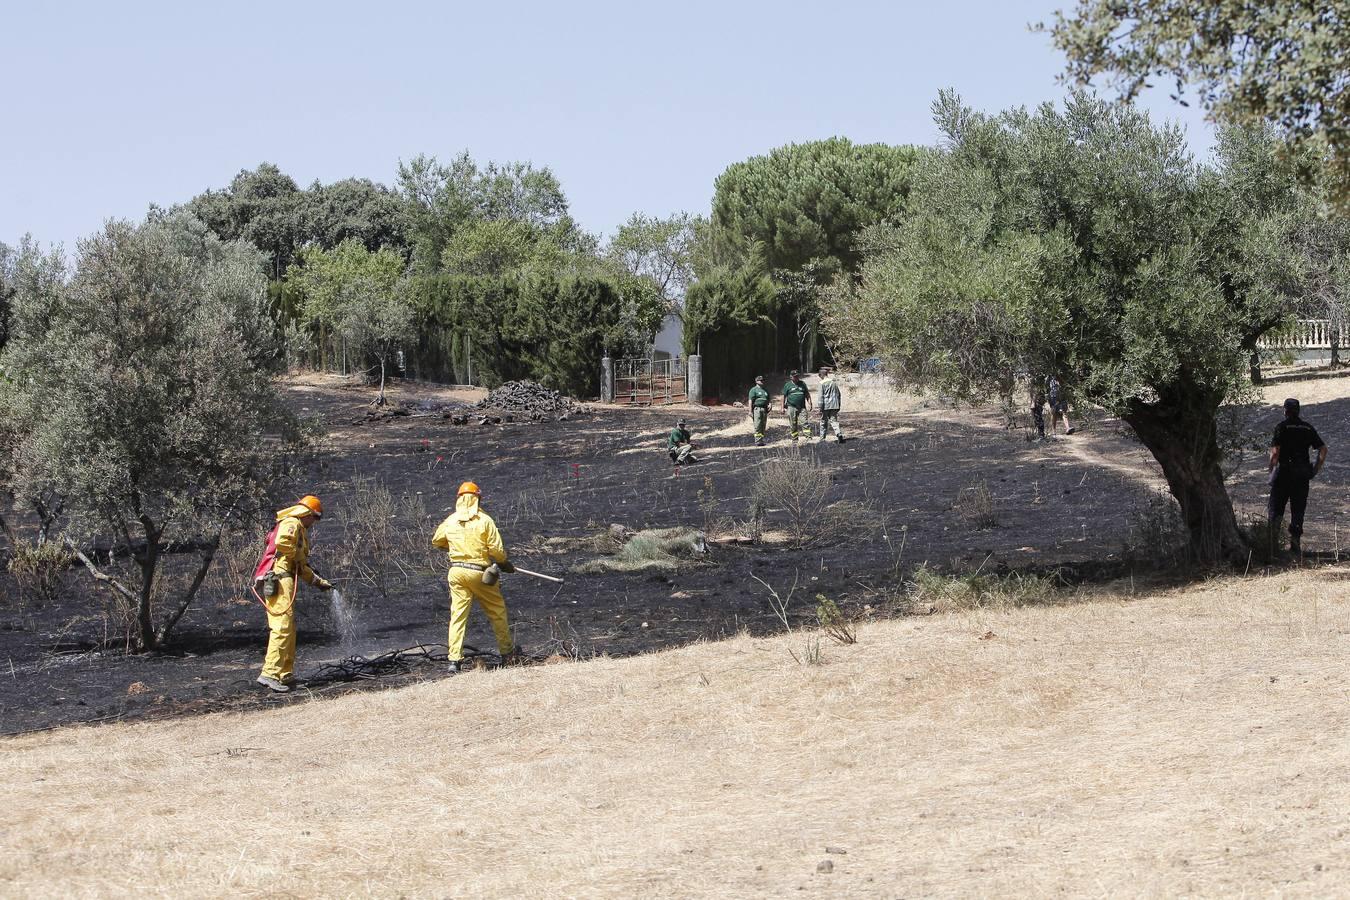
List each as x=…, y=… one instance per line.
x=680, y=446
x=759, y=409
x=796, y=401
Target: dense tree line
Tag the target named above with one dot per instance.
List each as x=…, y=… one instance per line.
x=352, y=263
x=547, y=328
x=783, y=228
x=265, y=207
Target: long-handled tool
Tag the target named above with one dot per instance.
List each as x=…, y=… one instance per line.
x=551, y=578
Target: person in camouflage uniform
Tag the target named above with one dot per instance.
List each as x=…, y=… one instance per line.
x=759, y=410
x=1059, y=406
x=830, y=402
x=796, y=401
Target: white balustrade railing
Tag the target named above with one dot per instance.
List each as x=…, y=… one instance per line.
x=1307, y=334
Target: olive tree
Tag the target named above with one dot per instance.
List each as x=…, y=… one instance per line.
x=35, y=274
x=376, y=318
x=1250, y=64
x=8, y=259
x=1086, y=241
x=137, y=387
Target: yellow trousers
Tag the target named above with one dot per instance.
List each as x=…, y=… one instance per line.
x=280, y=660
x=466, y=586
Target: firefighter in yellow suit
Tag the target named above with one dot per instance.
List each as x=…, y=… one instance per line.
x=292, y=561
x=471, y=538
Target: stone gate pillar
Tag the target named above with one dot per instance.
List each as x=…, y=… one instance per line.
x=694, y=379
x=606, y=380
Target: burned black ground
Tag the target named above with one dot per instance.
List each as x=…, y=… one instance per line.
x=1072, y=503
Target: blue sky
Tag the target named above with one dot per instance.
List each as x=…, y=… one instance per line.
x=636, y=107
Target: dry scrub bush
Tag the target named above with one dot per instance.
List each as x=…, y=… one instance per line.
x=777, y=602
x=938, y=593
x=812, y=655
x=709, y=503
x=975, y=505
x=658, y=549
x=383, y=540
x=752, y=529
x=812, y=652
x=1267, y=540
x=235, y=561
x=563, y=643
x=536, y=507
x=39, y=571
x=851, y=519
x=1157, y=535
x=797, y=485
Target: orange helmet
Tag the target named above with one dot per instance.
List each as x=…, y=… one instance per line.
x=468, y=487
x=313, y=505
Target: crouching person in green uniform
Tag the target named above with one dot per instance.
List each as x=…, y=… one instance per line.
x=680, y=445
x=759, y=409
x=796, y=401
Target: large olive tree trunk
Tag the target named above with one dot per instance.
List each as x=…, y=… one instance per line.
x=1183, y=438
x=148, y=562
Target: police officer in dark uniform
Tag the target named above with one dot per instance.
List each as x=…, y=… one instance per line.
x=1291, y=470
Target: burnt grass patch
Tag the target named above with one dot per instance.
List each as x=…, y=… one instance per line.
x=894, y=503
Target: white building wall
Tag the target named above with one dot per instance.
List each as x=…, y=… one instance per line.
x=669, y=339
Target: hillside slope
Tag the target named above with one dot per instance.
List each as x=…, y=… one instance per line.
x=1189, y=742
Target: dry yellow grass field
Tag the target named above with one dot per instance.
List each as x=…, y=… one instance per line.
x=1188, y=742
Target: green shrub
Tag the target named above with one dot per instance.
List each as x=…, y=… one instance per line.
x=834, y=621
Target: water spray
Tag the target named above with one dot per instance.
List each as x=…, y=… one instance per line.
x=344, y=618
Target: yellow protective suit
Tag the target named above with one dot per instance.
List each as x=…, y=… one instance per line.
x=470, y=536
x=292, y=560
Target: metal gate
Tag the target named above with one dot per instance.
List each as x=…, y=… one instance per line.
x=650, y=382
